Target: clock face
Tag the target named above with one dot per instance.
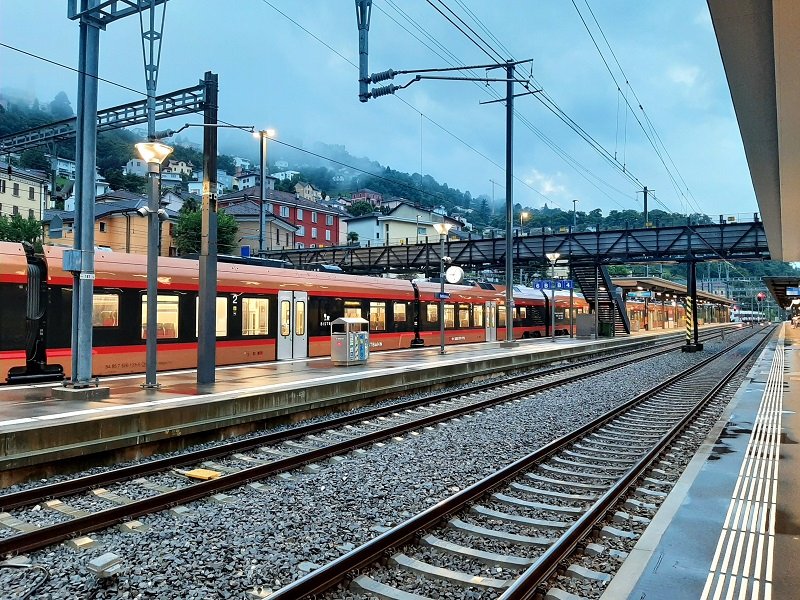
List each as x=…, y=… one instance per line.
x=454, y=275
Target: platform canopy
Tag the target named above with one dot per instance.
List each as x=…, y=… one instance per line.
x=663, y=288
x=782, y=289
x=759, y=41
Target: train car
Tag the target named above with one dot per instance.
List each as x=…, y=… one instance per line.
x=532, y=311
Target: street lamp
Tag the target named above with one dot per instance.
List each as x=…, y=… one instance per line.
x=442, y=229
x=153, y=153
x=553, y=257
x=262, y=135
x=574, y=213
x=523, y=215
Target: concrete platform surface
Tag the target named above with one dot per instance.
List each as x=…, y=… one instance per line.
x=37, y=429
x=731, y=527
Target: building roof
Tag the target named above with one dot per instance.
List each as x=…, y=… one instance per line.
x=283, y=198
x=105, y=209
x=33, y=174
x=248, y=207
x=116, y=195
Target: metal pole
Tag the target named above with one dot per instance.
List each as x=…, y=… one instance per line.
x=206, y=338
x=574, y=214
x=86, y=160
x=151, y=348
x=262, y=192
x=363, y=13
x=571, y=306
x=693, y=277
x=441, y=295
x=596, y=300
x=553, y=301
x=509, y=202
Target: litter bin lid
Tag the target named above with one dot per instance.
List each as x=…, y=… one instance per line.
x=348, y=320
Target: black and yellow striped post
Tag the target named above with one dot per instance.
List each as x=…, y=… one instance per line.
x=692, y=340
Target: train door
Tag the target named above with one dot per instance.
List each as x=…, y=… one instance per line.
x=292, y=325
x=491, y=322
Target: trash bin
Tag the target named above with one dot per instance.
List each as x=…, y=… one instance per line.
x=349, y=341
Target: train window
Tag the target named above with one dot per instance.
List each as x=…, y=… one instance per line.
x=286, y=318
x=399, y=312
x=501, y=316
x=105, y=310
x=166, y=317
x=221, y=321
x=300, y=318
x=463, y=315
x=377, y=316
x=352, y=309
x=449, y=315
x=477, y=315
x=255, y=316
x=433, y=313
x=523, y=312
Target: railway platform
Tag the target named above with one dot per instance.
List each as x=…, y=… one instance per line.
x=730, y=529
x=37, y=431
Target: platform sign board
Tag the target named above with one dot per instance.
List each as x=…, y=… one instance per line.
x=537, y=285
x=547, y=284
x=640, y=294
x=442, y=296
x=564, y=284
x=792, y=291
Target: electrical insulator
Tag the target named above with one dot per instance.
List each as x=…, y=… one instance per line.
x=382, y=76
x=385, y=90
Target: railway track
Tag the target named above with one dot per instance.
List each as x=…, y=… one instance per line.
x=506, y=534
x=67, y=514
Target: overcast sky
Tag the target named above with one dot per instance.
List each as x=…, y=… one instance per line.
x=274, y=74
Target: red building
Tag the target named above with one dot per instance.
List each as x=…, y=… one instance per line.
x=318, y=224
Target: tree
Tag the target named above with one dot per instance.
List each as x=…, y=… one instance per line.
x=188, y=229
x=34, y=158
x=60, y=107
x=358, y=209
x=17, y=229
x=352, y=237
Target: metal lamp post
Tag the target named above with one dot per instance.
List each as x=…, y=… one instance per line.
x=553, y=257
x=442, y=229
x=263, y=135
x=153, y=153
x=574, y=214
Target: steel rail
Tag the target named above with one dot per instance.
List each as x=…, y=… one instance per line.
x=327, y=576
x=51, y=534
x=524, y=588
x=38, y=494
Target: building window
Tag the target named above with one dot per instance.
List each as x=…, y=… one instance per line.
x=103, y=227
x=285, y=211
x=2, y=186
x=299, y=214
x=221, y=317
x=269, y=207
x=314, y=232
x=166, y=317
x=16, y=189
x=105, y=310
x=314, y=217
x=16, y=210
x=286, y=239
x=301, y=230
x=31, y=193
x=328, y=220
x=278, y=236
x=421, y=231
x=30, y=213
x=352, y=309
x=377, y=316
x=327, y=235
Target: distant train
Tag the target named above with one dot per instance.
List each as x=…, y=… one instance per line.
x=748, y=316
x=262, y=313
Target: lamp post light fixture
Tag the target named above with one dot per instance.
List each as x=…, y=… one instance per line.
x=523, y=215
x=553, y=257
x=442, y=229
x=153, y=153
x=263, y=135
